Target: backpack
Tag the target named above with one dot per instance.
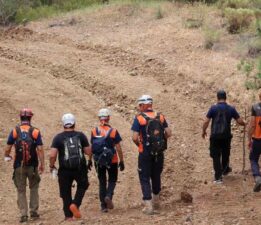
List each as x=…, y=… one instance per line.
x=102, y=150
x=73, y=155
x=156, y=141
x=220, y=127
x=25, y=147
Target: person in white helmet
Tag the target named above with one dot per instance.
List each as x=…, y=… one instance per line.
x=150, y=134
x=70, y=146
x=111, y=139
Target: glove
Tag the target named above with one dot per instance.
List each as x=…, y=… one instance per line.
x=121, y=166
x=89, y=165
x=8, y=158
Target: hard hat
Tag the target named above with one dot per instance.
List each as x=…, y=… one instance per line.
x=104, y=113
x=68, y=120
x=26, y=112
x=145, y=99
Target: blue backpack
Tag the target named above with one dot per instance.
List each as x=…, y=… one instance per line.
x=102, y=149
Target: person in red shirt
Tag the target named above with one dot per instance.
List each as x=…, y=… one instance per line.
x=106, y=191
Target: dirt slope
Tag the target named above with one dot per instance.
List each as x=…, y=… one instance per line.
x=109, y=58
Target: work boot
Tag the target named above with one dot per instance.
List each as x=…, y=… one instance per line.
x=257, y=186
x=34, y=215
x=156, y=201
x=148, y=209
x=108, y=202
x=227, y=171
x=23, y=219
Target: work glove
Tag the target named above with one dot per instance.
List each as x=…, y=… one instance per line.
x=89, y=165
x=121, y=166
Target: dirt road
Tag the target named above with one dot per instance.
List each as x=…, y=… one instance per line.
x=109, y=58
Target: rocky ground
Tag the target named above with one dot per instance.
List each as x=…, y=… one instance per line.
x=86, y=60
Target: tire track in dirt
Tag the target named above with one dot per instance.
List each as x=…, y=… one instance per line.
x=190, y=92
x=61, y=71
x=175, y=84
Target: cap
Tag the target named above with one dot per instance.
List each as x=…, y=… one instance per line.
x=68, y=120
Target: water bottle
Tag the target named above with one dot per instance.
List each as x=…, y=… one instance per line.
x=54, y=173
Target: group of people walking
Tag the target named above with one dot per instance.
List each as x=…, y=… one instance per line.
x=221, y=115
x=150, y=134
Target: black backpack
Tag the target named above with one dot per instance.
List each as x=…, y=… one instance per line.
x=220, y=126
x=156, y=141
x=102, y=149
x=73, y=154
x=25, y=147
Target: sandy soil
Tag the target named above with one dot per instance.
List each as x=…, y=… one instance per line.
x=83, y=61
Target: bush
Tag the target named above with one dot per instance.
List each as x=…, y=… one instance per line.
x=235, y=4
x=20, y=10
x=211, y=36
x=238, y=19
x=8, y=10
x=159, y=13
x=252, y=70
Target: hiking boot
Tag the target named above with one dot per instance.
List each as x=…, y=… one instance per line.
x=75, y=211
x=219, y=181
x=227, y=171
x=148, y=209
x=34, y=215
x=104, y=210
x=69, y=219
x=108, y=202
x=23, y=219
x=257, y=186
x=156, y=201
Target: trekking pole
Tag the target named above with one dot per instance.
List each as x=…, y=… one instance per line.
x=244, y=147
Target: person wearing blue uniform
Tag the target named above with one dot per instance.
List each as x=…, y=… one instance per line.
x=220, y=142
x=150, y=166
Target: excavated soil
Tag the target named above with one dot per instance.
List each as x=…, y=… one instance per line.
x=83, y=61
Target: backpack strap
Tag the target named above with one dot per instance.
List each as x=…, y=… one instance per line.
x=108, y=133
x=30, y=132
x=147, y=118
x=98, y=132
x=18, y=131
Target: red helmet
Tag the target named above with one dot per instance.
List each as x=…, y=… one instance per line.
x=26, y=112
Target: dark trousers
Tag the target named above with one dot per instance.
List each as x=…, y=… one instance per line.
x=65, y=179
x=220, y=152
x=254, y=157
x=150, y=169
x=107, y=188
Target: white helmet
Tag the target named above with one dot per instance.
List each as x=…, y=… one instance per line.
x=145, y=99
x=68, y=120
x=104, y=113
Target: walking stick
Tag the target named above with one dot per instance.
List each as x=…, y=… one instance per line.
x=244, y=147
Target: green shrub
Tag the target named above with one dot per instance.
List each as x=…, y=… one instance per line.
x=211, y=36
x=235, y=4
x=8, y=10
x=238, y=19
x=159, y=13
x=252, y=70
x=257, y=13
